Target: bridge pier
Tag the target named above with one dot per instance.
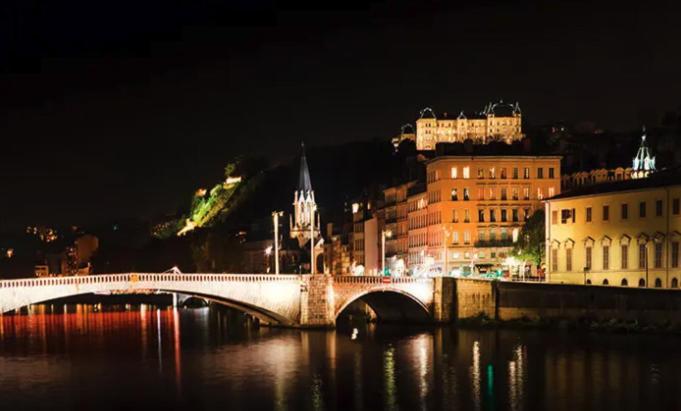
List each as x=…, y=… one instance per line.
x=444, y=299
x=317, y=301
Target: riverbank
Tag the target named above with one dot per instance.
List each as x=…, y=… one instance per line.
x=613, y=325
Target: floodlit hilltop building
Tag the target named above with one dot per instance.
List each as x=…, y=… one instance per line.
x=496, y=122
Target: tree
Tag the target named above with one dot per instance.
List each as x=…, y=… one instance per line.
x=532, y=238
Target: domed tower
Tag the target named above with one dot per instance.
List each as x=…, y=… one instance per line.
x=643, y=164
x=304, y=207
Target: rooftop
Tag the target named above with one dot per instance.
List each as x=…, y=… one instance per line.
x=669, y=177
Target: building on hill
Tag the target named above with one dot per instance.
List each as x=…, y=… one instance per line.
x=623, y=233
x=496, y=122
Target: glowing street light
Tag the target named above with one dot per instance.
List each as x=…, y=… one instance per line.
x=275, y=221
x=384, y=234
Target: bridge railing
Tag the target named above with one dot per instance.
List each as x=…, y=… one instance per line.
x=376, y=279
x=146, y=277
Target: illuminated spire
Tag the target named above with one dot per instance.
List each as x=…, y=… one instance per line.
x=643, y=164
x=304, y=183
x=304, y=206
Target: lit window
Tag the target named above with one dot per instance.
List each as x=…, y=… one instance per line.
x=455, y=172
x=466, y=172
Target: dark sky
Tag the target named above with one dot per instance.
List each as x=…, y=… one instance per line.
x=119, y=108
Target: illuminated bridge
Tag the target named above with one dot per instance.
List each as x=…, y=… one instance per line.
x=287, y=300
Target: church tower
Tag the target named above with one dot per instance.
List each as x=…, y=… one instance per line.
x=304, y=207
x=643, y=164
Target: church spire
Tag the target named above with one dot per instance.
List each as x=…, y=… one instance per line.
x=304, y=183
x=643, y=164
x=305, y=217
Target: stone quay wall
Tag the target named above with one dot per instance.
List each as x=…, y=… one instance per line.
x=513, y=300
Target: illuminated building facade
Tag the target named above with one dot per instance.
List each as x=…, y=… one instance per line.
x=625, y=233
x=496, y=122
x=471, y=209
x=364, y=239
x=395, y=222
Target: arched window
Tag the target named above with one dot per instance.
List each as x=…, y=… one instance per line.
x=588, y=282
x=605, y=282
x=658, y=283
x=624, y=282
x=675, y=283
x=641, y=282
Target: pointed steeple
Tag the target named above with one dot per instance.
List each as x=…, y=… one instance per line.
x=304, y=206
x=644, y=163
x=304, y=183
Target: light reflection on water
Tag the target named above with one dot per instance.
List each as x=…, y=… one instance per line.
x=92, y=357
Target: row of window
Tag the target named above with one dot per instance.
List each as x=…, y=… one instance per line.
x=642, y=282
x=490, y=194
x=490, y=215
x=569, y=215
x=497, y=172
x=658, y=257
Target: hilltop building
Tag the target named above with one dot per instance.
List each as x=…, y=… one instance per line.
x=496, y=122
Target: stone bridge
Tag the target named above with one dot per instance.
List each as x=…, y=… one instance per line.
x=286, y=300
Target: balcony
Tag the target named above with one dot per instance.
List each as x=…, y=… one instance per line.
x=494, y=243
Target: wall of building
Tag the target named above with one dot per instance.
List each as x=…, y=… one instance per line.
x=506, y=190
x=481, y=129
x=371, y=251
x=615, y=242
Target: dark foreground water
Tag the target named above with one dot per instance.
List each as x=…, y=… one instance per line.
x=146, y=358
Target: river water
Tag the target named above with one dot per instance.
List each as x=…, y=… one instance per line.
x=142, y=357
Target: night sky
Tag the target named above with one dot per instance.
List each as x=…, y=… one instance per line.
x=122, y=108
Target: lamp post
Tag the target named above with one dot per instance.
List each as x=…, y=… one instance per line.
x=275, y=218
x=268, y=253
x=313, y=264
x=384, y=234
x=445, y=236
x=586, y=270
x=646, y=261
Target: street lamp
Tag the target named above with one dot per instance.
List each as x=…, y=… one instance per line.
x=313, y=265
x=384, y=234
x=275, y=218
x=445, y=236
x=268, y=253
x=586, y=270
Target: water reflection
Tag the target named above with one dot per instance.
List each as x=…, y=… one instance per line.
x=214, y=359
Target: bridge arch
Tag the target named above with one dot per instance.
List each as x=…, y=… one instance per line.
x=390, y=305
x=272, y=299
